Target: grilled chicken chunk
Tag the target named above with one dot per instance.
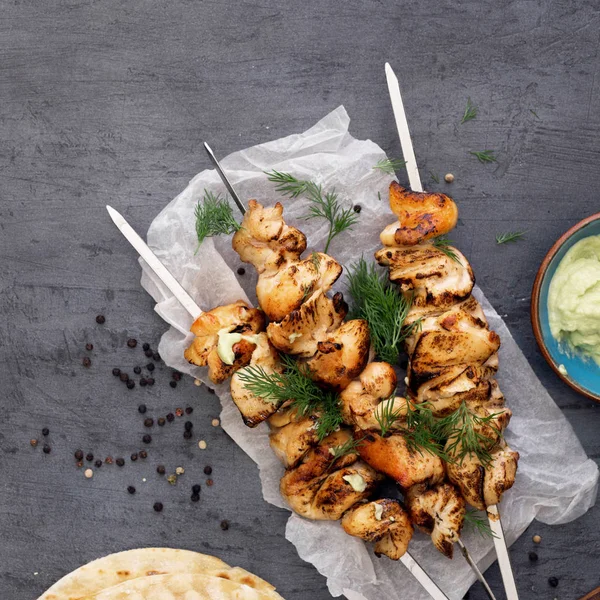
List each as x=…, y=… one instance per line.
x=436, y=279
x=392, y=456
x=323, y=488
x=480, y=485
x=231, y=318
x=342, y=356
x=439, y=511
x=254, y=409
x=384, y=522
x=294, y=437
x=421, y=216
x=300, y=331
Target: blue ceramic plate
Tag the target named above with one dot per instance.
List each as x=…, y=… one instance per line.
x=582, y=374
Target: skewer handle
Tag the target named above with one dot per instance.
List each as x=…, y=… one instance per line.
x=475, y=568
x=417, y=571
x=506, y=571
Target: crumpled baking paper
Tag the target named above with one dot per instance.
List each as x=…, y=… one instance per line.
x=329, y=155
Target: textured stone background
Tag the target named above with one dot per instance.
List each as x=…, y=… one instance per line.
x=107, y=101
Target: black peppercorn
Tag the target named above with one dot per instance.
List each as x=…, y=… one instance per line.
x=86, y=362
x=150, y=367
x=170, y=417
x=195, y=497
x=143, y=382
x=142, y=409
x=552, y=581
x=173, y=384
x=196, y=488
x=357, y=208
x=150, y=381
x=78, y=454
x=158, y=506
x=132, y=342
x=45, y=432
x=120, y=462
x=137, y=370
x=130, y=384
x=145, y=346
x=100, y=320
x=189, y=410
x=241, y=271
x=134, y=456
x=47, y=449
x=187, y=435
x=131, y=489
x=188, y=425
x=124, y=377
x=160, y=469
x=147, y=439
x=98, y=463
x=89, y=347
x=160, y=421
x=224, y=525
x=176, y=375
x=143, y=454
x=156, y=356
x=148, y=353
x=116, y=372
x=89, y=457
x=533, y=556
x=207, y=470
x=148, y=422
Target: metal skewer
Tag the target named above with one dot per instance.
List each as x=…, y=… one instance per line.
x=224, y=179
x=415, y=183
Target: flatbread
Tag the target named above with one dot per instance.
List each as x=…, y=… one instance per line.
x=117, y=568
x=181, y=586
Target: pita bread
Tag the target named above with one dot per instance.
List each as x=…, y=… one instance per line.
x=182, y=587
x=117, y=568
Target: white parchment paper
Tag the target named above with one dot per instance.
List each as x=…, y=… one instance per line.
x=556, y=482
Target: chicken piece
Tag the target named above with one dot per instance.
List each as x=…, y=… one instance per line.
x=480, y=485
x=286, y=289
x=384, y=522
x=342, y=356
x=232, y=318
x=361, y=399
x=292, y=440
x=255, y=409
x=392, y=456
x=436, y=279
x=421, y=216
x=439, y=512
x=300, y=331
x=265, y=241
x=324, y=488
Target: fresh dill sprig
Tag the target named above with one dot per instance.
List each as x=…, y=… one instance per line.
x=463, y=431
x=296, y=385
x=214, y=216
x=346, y=448
x=470, y=112
x=379, y=196
x=485, y=156
x=316, y=260
x=509, y=236
x=478, y=523
x=442, y=243
x=434, y=177
x=387, y=416
x=323, y=205
x=384, y=309
x=389, y=165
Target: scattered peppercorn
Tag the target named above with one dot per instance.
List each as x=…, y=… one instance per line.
x=176, y=375
x=160, y=421
x=189, y=410
x=145, y=346
x=150, y=367
x=357, y=208
x=89, y=457
x=160, y=469
x=536, y=539
x=88, y=473
x=98, y=463
x=448, y=178
x=120, y=462
x=78, y=454
x=116, y=372
x=172, y=479
x=147, y=439
x=224, y=525
x=207, y=470
x=158, y=506
x=209, y=482
x=195, y=497
x=197, y=382
x=173, y=384
x=89, y=347
x=142, y=408
x=143, y=382
x=202, y=445
x=45, y=432
x=179, y=470
x=100, y=319
x=196, y=488
x=241, y=271
x=187, y=435
x=188, y=425
x=148, y=422
x=137, y=370
x=79, y=463
x=86, y=362
x=143, y=454
x=47, y=449
x=156, y=356
x=552, y=581
x=124, y=377
x=179, y=412
x=33, y=443
x=170, y=417
x=130, y=384
x=533, y=556
x=150, y=381
x=215, y=422
x=210, y=390
x=131, y=489
x=132, y=342
x=148, y=353
x=134, y=456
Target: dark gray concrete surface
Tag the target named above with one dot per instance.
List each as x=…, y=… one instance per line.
x=107, y=101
